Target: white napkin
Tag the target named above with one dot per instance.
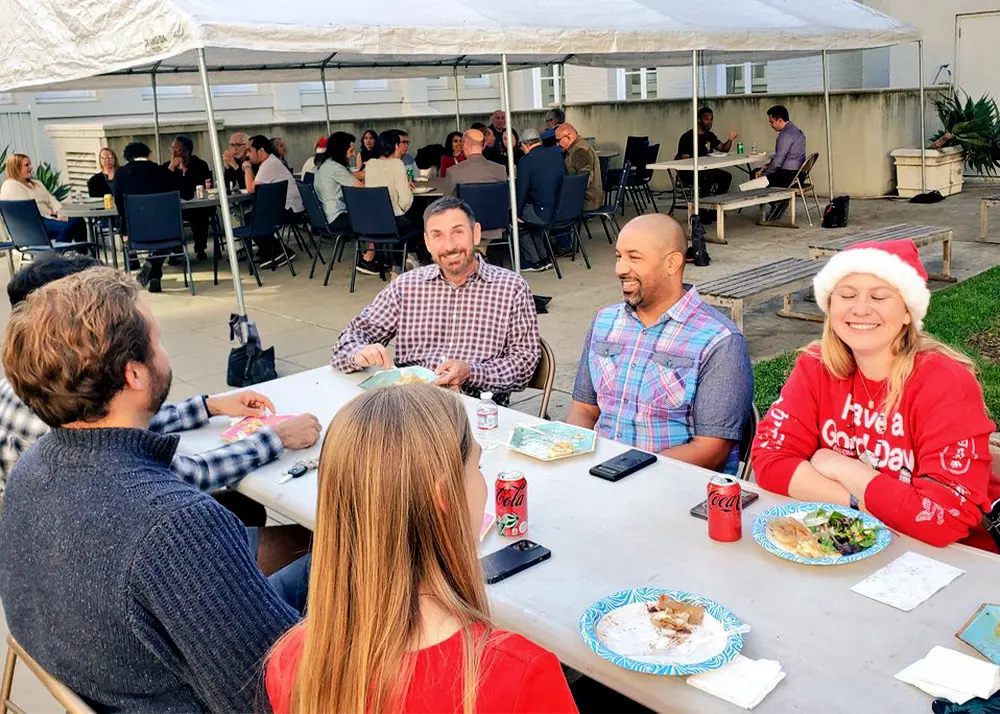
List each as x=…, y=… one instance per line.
x=953, y=675
x=743, y=682
x=907, y=581
x=756, y=183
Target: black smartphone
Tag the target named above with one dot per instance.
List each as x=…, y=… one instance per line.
x=701, y=510
x=511, y=560
x=623, y=465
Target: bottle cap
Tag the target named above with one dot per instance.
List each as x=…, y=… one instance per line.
x=486, y=395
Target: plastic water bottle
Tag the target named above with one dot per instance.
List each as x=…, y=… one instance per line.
x=487, y=422
x=739, y=148
x=753, y=149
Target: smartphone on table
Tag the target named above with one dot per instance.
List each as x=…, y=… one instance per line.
x=623, y=465
x=511, y=560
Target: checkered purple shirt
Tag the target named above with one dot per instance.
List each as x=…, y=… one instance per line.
x=489, y=321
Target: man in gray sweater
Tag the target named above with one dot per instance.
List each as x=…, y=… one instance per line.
x=136, y=590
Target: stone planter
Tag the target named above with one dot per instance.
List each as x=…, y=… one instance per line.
x=945, y=169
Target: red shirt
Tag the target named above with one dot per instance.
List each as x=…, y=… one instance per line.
x=448, y=161
x=515, y=675
x=932, y=455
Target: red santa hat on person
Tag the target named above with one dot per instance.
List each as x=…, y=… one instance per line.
x=895, y=261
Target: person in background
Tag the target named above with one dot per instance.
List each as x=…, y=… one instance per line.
x=103, y=182
x=140, y=176
x=281, y=151
x=367, y=151
x=233, y=159
x=406, y=464
x=475, y=168
x=539, y=177
x=407, y=158
x=454, y=145
x=789, y=149
x=104, y=553
x=489, y=340
x=879, y=416
x=193, y=172
x=663, y=371
x=581, y=158
x=712, y=182
x=310, y=165
x=518, y=151
x=498, y=127
x=490, y=150
x=554, y=117
x=271, y=170
x=21, y=186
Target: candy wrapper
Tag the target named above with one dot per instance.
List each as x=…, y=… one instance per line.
x=250, y=425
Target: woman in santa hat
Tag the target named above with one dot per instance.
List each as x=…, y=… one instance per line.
x=878, y=415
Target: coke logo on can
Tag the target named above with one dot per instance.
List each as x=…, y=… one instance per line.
x=512, y=504
x=725, y=509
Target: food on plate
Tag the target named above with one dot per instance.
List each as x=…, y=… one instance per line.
x=561, y=448
x=669, y=614
x=251, y=425
x=822, y=533
x=411, y=378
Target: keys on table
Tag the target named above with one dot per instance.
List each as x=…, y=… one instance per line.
x=299, y=468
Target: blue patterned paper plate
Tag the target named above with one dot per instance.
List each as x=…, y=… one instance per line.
x=593, y=615
x=883, y=536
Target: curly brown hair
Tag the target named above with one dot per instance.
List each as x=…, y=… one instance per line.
x=67, y=345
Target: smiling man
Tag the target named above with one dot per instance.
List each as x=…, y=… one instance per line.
x=473, y=323
x=662, y=371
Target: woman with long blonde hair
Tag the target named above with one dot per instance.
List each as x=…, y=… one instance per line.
x=22, y=186
x=878, y=415
x=397, y=615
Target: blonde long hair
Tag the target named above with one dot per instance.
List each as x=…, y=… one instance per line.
x=381, y=542
x=839, y=360
x=14, y=168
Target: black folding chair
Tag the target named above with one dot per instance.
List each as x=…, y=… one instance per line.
x=607, y=213
x=567, y=216
x=639, y=186
x=267, y=217
x=490, y=202
x=24, y=227
x=320, y=227
x=156, y=228
x=309, y=177
x=370, y=211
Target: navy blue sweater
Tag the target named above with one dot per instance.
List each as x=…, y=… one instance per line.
x=136, y=590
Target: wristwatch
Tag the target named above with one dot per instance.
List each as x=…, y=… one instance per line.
x=854, y=503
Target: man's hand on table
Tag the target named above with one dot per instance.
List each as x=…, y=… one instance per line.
x=453, y=373
x=247, y=403
x=299, y=432
x=373, y=356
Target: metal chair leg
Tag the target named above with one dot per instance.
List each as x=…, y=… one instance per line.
x=582, y=247
x=586, y=225
x=547, y=237
x=8, y=680
x=354, y=265
x=337, y=246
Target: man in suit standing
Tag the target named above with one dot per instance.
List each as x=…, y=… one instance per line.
x=192, y=172
x=141, y=176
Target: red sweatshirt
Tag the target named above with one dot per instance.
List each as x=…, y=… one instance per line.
x=515, y=675
x=933, y=454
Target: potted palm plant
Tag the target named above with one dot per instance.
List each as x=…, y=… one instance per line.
x=970, y=137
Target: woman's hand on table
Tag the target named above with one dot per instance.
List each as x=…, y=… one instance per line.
x=849, y=472
x=247, y=403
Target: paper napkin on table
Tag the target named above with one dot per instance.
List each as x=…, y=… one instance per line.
x=953, y=675
x=743, y=682
x=907, y=581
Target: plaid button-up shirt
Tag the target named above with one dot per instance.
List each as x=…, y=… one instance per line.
x=20, y=427
x=489, y=322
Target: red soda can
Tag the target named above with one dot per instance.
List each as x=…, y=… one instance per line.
x=512, y=504
x=725, y=509
x=208, y=184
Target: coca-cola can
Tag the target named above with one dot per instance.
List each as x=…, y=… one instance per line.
x=512, y=504
x=199, y=192
x=725, y=509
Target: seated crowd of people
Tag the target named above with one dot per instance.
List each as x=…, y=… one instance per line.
x=204, y=607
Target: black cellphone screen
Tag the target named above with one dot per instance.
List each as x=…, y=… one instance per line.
x=622, y=465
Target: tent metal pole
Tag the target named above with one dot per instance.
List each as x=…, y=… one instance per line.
x=458, y=107
x=510, y=164
x=156, y=117
x=694, y=129
x=923, y=128
x=220, y=183
x=826, y=102
x=326, y=99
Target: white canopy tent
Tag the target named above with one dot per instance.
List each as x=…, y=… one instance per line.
x=115, y=43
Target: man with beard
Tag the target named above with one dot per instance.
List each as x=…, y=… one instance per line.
x=233, y=158
x=137, y=591
x=473, y=323
x=662, y=371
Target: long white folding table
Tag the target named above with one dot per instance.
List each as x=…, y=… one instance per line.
x=840, y=650
x=712, y=162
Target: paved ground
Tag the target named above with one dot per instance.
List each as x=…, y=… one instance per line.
x=302, y=319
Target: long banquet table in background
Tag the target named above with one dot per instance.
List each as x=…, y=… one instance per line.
x=840, y=650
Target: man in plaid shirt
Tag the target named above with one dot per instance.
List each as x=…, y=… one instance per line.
x=663, y=371
x=20, y=427
x=473, y=323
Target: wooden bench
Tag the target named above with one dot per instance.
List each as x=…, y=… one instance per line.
x=745, y=199
x=921, y=235
x=759, y=284
x=985, y=205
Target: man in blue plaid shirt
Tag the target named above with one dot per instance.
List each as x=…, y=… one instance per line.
x=20, y=427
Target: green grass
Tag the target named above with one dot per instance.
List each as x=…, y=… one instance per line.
x=956, y=314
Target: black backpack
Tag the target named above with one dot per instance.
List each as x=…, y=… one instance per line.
x=835, y=215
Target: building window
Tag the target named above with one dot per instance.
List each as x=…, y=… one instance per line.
x=314, y=87
x=736, y=75
x=234, y=90
x=438, y=82
x=637, y=83
x=371, y=85
x=477, y=81
x=71, y=95
x=548, y=86
x=166, y=92
x=6, y=98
